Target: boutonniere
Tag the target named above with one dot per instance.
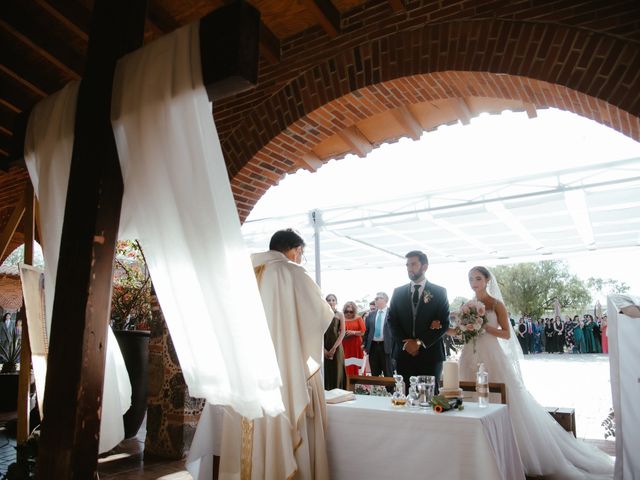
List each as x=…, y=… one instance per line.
x=426, y=296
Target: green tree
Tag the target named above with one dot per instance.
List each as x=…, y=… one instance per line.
x=606, y=287
x=532, y=288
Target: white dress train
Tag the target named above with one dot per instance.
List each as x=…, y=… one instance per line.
x=545, y=447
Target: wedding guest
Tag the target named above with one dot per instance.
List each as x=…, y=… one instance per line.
x=352, y=343
x=334, y=375
x=605, y=339
x=580, y=345
x=558, y=334
x=597, y=336
x=588, y=334
x=568, y=335
x=537, y=336
x=372, y=308
x=378, y=339
x=549, y=335
x=521, y=331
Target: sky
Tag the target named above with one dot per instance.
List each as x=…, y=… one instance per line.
x=491, y=147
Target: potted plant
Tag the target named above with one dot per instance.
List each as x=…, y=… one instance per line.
x=130, y=319
x=10, y=342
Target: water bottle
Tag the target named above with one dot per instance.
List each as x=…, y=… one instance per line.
x=482, y=386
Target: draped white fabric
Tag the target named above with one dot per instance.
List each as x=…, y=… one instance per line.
x=178, y=204
x=624, y=361
x=47, y=153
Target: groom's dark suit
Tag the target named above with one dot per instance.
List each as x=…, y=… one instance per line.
x=404, y=325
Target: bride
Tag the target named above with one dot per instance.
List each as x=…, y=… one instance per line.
x=545, y=447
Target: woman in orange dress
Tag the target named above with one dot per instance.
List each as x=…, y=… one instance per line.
x=352, y=343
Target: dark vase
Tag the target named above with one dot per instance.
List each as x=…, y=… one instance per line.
x=8, y=391
x=134, y=345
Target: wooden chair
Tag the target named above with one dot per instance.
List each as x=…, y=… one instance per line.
x=352, y=380
x=497, y=388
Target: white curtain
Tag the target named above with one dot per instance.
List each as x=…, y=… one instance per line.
x=47, y=153
x=624, y=362
x=178, y=204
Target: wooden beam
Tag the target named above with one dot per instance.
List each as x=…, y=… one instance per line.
x=269, y=45
x=24, y=380
x=53, y=60
x=72, y=410
x=358, y=143
x=22, y=81
x=396, y=5
x=309, y=161
x=62, y=19
x=11, y=226
x=327, y=15
x=462, y=109
x=410, y=124
x=531, y=110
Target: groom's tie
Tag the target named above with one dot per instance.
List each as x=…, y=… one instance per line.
x=416, y=295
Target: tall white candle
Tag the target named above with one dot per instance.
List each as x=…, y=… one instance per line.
x=450, y=378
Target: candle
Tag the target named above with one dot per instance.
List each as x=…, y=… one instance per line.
x=450, y=375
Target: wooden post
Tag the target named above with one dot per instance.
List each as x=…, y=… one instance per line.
x=24, y=381
x=75, y=373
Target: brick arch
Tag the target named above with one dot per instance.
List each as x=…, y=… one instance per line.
x=592, y=74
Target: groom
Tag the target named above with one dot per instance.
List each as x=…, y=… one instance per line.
x=419, y=318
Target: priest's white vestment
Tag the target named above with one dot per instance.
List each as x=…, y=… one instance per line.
x=292, y=444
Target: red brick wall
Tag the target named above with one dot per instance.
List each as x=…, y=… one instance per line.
x=582, y=57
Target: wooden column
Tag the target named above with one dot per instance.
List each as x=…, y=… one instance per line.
x=24, y=381
x=72, y=410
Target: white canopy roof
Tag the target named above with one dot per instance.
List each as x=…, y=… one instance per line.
x=532, y=217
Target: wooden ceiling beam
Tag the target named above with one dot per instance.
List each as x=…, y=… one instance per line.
x=22, y=81
x=70, y=72
x=530, y=108
x=327, y=15
x=76, y=15
x=356, y=140
x=9, y=106
x=269, y=44
x=63, y=19
x=462, y=109
x=309, y=161
x=409, y=123
x=11, y=226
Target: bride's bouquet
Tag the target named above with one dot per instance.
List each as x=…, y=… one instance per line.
x=470, y=320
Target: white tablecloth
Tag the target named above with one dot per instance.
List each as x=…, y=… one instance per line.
x=368, y=438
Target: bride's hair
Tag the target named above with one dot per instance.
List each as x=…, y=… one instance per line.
x=484, y=271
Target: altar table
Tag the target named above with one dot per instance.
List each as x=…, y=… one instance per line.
x=369, y=438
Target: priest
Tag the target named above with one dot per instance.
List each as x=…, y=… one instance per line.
x=292, y=444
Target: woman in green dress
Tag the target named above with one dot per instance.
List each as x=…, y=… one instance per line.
x=589, y=338
x=579, y=345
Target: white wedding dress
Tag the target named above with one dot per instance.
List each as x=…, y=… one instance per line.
x=545, y=447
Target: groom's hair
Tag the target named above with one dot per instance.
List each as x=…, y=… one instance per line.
x=421, y=256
